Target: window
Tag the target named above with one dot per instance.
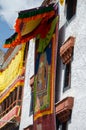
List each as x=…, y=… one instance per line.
x=20, y=93
x=11, y=96
x=32, y=89
x=31, y=103
x=15, y=94
x=13, y=99
x=61, y=126
x=67, y=76
x=64, y=126
x=7, y=103
x=70, y=8
x=4, y=105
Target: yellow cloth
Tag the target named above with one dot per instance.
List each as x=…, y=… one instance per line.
x=29, y=26
x=12, y=71
x=17, y=84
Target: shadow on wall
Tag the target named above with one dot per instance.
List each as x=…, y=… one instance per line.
x=61, y=39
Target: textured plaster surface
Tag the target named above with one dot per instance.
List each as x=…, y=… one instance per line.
x=77, y=28
x=26, y=117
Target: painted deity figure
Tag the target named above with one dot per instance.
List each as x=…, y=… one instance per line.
x=42, y=82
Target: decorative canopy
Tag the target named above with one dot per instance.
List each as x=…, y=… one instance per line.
x=66, y=50
x=30, y=24
x=10, y=40
x=32, y=17
x=64, y=108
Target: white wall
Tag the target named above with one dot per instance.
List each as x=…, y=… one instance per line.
x=77, y=28
x=26, y=118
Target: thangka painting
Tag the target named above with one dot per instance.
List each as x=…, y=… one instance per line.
x=45, y=63
x=42, y=80
x=44, y=86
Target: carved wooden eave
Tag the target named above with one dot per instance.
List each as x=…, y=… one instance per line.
x=66, y=50
x=64, y=108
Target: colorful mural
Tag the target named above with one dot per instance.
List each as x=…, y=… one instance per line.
x=44, y=85
x=45, y=71
x=42, y=80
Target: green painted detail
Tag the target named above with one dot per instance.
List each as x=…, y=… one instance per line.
x=33, y=12
x=43, y=43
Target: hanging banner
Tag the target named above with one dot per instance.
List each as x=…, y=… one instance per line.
x=44, y=83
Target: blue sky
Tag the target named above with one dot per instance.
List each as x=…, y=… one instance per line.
x=5, y=32
x=9, y=12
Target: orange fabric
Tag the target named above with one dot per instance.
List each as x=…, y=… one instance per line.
x=20, y=21
x=42, y=30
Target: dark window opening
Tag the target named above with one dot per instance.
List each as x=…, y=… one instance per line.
x=13, y=99
x=31, y=104
x=20, y=92
x=11, y=96
x=64, y=126
x=32, y=91
x=4, y=104
x=7, y=103
x=70, y=8
x=61, y=126
x=15, y=94
x=67, y=77
x=10, y=126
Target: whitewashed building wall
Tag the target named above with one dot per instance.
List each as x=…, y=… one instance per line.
x=26, y=117
x=77, y=28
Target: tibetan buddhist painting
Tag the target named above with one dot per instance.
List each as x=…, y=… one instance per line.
x=42, y=80
x=44, y=85
x=45, y=71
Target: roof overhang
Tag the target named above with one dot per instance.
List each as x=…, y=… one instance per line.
x=63, y=109
x=66, y=50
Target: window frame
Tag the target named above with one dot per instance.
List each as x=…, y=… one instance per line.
x=70, y=7
x=67, y=77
